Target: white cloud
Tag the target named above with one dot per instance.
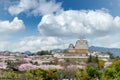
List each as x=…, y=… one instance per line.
x=4, y=45
x=13, y=26
x=34, y=43
x=35, y=7
x=110, y=41
x=69, y=24
x=39, y=42
x=75, y=23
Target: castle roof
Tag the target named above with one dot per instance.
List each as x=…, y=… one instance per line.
x=81, y=43
x=71, y=46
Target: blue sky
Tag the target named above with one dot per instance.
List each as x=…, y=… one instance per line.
x=47, y=24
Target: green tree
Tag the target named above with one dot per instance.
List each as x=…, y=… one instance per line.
x=10, y=74
x=52, y=74
x=10, y=64
x=81, y=74
x=96, y=59
x=110, y=73
x=101, y=64
x=93, y=61
x=38, y=74
x=111, y=55
x=43, y=52
x=29, y=74
x=116, y=65
x=90, y=59
x=92, y=72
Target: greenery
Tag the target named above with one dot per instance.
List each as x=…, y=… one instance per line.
x=111, y=55
x=43, y=52
x=91, y=72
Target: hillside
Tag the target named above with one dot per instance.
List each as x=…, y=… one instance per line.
x=115, y=51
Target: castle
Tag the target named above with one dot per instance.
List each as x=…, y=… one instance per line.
x=81, y=47
x=80, y=51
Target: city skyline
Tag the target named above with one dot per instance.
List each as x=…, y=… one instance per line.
x=48, y=24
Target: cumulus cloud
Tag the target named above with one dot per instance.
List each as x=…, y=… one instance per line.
x=4, y=45
x=75, y=23
x=34, y=43
x=13, y=26
x=99, y=24
x=35, y=7
x=110, y=41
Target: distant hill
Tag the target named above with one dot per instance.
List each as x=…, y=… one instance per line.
x=115, y=51
x=58, y=50
x=27, y=52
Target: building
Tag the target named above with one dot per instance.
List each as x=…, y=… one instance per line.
x=81, y=47
x=104, y=57
x=80, y=51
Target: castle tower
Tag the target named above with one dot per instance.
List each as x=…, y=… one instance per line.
x=71, y=48
x=81, y=47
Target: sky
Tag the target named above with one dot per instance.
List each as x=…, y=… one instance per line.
x=33, y=25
